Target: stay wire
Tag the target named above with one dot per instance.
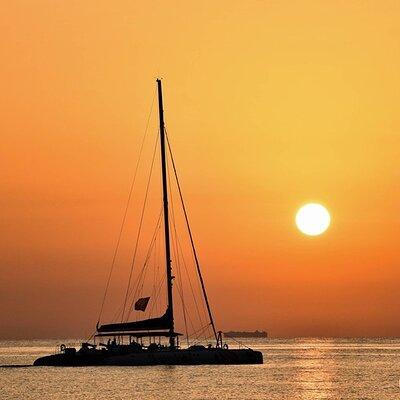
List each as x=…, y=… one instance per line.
x=139, y=229
x=141, y=276
x=175, y=247
x=199, y=314
x=190, y=284
x=119, y=310
x=237, y=341
x=192, y=241
x=160, y=285
x=126, y=210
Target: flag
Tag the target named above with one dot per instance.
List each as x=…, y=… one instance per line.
x=141, y=303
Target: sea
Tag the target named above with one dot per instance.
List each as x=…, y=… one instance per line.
x=301, y=368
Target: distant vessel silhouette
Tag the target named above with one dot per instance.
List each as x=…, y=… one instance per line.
x=247, y=334
x=133, y=352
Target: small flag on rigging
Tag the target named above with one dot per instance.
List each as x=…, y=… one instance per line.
x=141, y=303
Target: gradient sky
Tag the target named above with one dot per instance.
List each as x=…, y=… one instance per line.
x=269, y=104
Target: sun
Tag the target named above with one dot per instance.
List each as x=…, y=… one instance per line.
x=313, y=219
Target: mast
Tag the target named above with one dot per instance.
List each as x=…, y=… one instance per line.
x=165, y=206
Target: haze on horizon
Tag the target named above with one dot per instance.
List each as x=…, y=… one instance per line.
x=269, y=105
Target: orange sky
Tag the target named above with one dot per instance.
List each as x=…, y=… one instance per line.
x=268, y=104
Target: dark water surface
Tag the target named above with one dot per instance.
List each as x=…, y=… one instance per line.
x=293, y=369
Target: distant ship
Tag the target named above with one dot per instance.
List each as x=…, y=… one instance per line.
x=246, y=334
x=125, y=344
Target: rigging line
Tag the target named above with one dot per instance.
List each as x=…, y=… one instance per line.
x=179, y=246
x=135, y=289
x=180, y=286
x=190, y=284
x=140, y=228
x=237, y=341
x=162, y=280
x=126, y=208
x=200, y=329
x=180, y=292
x=204, y=340
x=202, y=301
x=156, y=269
x=202, y=314
x=177, y=254
x=200, y=332
x=119, y=310
x=143, y=278
x=192, y=241
x=142, y=274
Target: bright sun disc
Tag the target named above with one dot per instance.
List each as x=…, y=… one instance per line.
x=313, y=219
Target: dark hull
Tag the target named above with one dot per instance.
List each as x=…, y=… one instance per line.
x=167, y=357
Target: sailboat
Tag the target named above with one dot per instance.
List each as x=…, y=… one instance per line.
x=133, y=352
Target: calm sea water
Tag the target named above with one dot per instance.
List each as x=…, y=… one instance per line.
x=293, y=369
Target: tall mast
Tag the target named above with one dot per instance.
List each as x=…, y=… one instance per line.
x=165, y=205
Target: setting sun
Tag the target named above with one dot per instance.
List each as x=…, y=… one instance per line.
x=313, y=219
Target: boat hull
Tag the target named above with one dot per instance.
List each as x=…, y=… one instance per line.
x=168, y=357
